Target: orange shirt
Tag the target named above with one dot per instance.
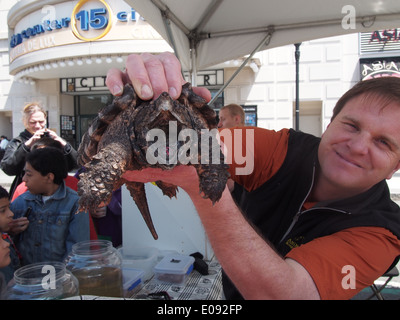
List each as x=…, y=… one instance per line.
x=251, y=143
x=356, y=256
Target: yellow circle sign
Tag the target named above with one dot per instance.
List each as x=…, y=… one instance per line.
x=95, y=18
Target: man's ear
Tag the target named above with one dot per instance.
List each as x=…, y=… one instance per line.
x=394, y=171
x=237, y=119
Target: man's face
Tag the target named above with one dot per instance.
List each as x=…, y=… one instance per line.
x=36, y=122
x=361, y=146
x=226, y=120
x=6, y=215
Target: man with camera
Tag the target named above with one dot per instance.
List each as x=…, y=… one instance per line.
x=35, y=121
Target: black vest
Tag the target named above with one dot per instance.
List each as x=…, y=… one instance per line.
x=275, y=208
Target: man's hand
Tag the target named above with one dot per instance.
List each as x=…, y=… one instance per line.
x=183, y=176
x=150, y=76
x=18, y=225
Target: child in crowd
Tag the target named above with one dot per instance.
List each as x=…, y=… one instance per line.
x=10, y=264
x=44, y=142
x=4, y=262
x=54, y=223
x=70, y=181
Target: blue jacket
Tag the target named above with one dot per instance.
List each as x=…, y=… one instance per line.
x=54, y=225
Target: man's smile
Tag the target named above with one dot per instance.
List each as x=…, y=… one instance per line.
x=348, y=160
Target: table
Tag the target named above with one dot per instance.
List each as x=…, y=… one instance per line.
x=196, y=287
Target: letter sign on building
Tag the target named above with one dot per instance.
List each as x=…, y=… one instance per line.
x=91, y=24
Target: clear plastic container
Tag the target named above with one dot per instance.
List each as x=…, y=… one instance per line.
x=97, y=266
x=132, y=280
x=143, y=258
x=174, y=269
x=42, y=281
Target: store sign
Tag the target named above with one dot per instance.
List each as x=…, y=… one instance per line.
x=97, y=19
x=379, y=67
x=83, y=19
x=207, y=78
x=384, y=36
x=41, y=28
x=380, y=41
x=83, y=84
x=68, y=23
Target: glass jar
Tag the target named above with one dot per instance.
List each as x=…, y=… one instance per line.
x=97, y=266
x=42, y=281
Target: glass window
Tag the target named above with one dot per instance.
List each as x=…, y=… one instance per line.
x=88, y=106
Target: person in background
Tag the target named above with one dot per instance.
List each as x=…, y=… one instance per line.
x=5, y=260
x=231, y=115
x=35, y=121
x=53, y=223
x=4, y=142
x=70, y=181
x=43, y=142
x=108, y=220
x=3, y=145
x=317, y=220
x=6, y=220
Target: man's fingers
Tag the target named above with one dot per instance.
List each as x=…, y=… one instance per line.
x=156, y=74
x=137, y=73
x=173, y=74
x=115, y=81
x=202, y=92
x=150, y=76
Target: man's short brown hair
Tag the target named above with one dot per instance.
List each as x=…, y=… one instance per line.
x=386, y=88
x=235, y=110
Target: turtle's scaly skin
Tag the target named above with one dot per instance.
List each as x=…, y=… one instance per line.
x=116, y=142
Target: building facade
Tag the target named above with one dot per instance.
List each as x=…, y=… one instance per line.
x=59, y=54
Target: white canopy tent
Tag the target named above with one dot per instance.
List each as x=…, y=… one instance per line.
x=204, y=33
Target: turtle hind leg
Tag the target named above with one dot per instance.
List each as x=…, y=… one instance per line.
x=212, y=180
x=138, y=193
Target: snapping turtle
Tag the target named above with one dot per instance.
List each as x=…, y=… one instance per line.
x=132, y=134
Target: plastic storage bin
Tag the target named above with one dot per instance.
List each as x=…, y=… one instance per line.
x=131, y=279
x=143, y=258
x=174, y=269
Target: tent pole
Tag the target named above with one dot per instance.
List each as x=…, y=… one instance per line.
x=207, y=15
x=193, y=68
x=265, y=41
x=297, y=56
x=170, y=15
